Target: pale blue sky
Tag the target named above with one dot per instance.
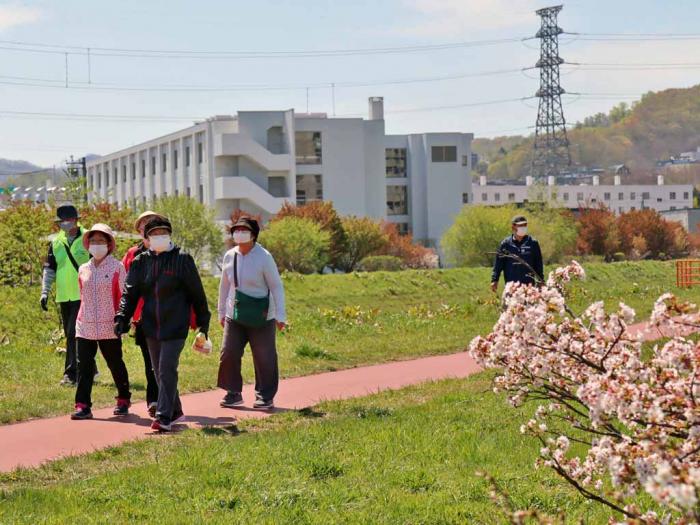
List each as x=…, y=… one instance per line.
x=289, y=25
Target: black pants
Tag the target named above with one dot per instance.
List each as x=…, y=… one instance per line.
x=165, y=356
x=69, y=314
x=262, y=346
x=112, y=352
x=151, y=381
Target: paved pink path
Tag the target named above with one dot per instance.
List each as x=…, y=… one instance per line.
x=32, y=443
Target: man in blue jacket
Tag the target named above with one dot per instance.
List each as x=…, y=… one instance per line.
x=515, y=250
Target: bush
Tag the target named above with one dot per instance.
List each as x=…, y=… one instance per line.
x=24, y=228
x=194, y=227
x=402, y=246
x=597, y=232
x=322, y=213
x=365, y=237
x=646, y=232
x=618, y=257
x=298, y=245
x=380, y=263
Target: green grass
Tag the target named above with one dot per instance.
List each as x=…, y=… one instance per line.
x=337, y=321
x=407, y=456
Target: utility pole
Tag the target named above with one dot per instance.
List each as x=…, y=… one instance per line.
x=551, y=147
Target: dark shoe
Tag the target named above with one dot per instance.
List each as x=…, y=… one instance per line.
x=178, y=417
x=152, y=407
x=122, y=408
x=81, y=412
x=67, y=381
x=159, y=426
x=231, y=399
x=261, y=404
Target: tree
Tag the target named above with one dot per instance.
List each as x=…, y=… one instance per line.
x=24, y=230
x=324, y=214
x=597, y=232
x=365, y=237
x=194, y=227
x=402, y=246
x=660, y=236
x=297, y=245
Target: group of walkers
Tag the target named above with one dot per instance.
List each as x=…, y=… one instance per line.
x=156, y=293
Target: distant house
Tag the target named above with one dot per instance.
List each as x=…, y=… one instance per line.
x=620, y=169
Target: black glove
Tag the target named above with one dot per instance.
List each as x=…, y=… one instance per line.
x=44, y=303
x=121, y=327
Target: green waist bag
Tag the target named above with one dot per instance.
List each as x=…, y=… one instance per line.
x=247, y=310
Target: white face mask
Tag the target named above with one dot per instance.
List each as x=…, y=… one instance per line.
x=98, y=251
x=159, y=243
x=521, y=231
x=241, y=236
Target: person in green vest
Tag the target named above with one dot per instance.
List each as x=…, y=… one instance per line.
x=66, y=254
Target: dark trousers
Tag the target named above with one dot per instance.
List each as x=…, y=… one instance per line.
x=112, y=352
x=151, y=381
x=69, y=314
x=262, y=346
x=165, y=356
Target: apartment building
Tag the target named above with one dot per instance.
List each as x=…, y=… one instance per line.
x=257, y=160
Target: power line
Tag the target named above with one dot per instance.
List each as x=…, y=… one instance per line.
x=93, y=116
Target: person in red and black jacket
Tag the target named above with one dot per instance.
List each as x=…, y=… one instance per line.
x=139, y=337
x=169, y=283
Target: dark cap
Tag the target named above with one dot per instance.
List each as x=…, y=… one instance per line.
x=518, y=219
x=248, y=224
x=66, y=212
x=157, y=222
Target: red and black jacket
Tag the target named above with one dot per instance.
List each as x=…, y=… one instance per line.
x=171, y=288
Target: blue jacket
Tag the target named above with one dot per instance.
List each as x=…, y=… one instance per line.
x=528, y=250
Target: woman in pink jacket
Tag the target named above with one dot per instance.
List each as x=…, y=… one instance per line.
x=101, y=283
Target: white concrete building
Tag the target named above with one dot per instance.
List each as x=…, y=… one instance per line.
x=617, y=197
x=257, y=160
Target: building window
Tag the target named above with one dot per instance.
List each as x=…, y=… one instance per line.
x=511, y=197
x=497, y=197
x=200, y=156
x=123, y=172
x=565, y=196
x=620, y=196
x=465, y=198
x=672, y=196
x=164, y=161
x=153, y=165
x=395, y=162
x=309, y=188
x=659, y=199
x=685, y=195
x=396, y=200
x=99, y=179
x=673, y=207
x=187, y=156
x=633, y=196
x=579, y=197
x=444, y=153
x=133, y=171
x=606, y=196
x=143, y=168
x=484, y=197
x=174, y=159
x=465, y=160
x=201, y=194
x=645, y=195
x=308, y=147
x=402, y=228
x=177, y=193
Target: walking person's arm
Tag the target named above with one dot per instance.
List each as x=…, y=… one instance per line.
x=47, y=278
x=131, y=293
x=274, y=283
x=196, y=294
x=537, y=263
x=497, y=268
x=224, y=290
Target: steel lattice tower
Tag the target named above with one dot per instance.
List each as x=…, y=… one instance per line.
x=551, y=148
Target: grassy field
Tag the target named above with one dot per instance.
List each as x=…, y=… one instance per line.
x=407, y=456
x=337, y=321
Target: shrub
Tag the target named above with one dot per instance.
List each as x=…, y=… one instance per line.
x=597, y=232
x=402, y=246
x=365, y=237
x=24, y=228
x=194, y=227
x=377, y=263
x=658, y=234
x=298, y=245
x=618, y=256
x=322, y=213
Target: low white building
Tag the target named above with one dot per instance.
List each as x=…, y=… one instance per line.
x=616, y=197
x=257, y=160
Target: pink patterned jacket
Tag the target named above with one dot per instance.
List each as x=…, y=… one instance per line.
x=100, y=291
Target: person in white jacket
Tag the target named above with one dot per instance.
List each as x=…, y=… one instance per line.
x=250, y=275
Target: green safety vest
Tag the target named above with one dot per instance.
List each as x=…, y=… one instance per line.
x=67, y=287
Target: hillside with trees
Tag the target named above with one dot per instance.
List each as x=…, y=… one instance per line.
x=658, y=126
